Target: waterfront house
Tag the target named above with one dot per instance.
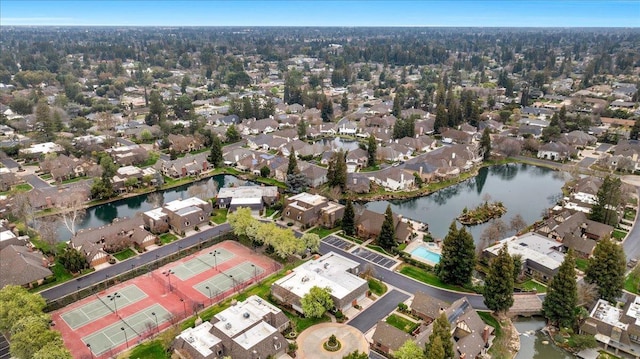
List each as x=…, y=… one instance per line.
x=178, y=215
x=308, y=210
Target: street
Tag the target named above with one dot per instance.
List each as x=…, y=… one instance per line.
x=378, y=310
x=631, y=245
x=121, y=267
x=36, y=182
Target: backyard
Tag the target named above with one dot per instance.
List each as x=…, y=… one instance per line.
x=429, y=278
x=323, y=232
x=402, y=323
x=219, y=215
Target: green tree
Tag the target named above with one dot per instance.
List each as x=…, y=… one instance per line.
x=441, y=118
x=635, y=130
x=240, y=220
x=316, y=302
x=302, y=129
x=559, y=306
x=292, y=167
x=72, y=260
x=216, y=152
x=485, y=143
x=458, y=257
x=356, y=355
x=232, y=134
x=436, y=349
x=15, y=303
x=409, y=350
x=311, y=241
x=397, y=107
x=498, y=287
x=372, y=148
x=606, y=269
x=344, y=103
x=607, y=201
x=349, y=219
x=387, y=236
x=265, y=171
x=53, y=351
x=337, y=170
x=32, y=333
x=297, y=183
x=326, y=110
x=45, y=120
x=441, y=332
x=186, y=81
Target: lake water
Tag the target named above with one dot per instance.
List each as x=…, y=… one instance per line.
x=340, y=143
x=106, y=213
x=531, y=338
x=524, y=189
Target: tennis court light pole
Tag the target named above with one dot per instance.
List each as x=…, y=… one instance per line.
x=155, y=316
x=210, y=300
x=184, y=307
x=125, y=336
x=215, y=259
x=113, y=297
x=168, y=275
x=90, y=352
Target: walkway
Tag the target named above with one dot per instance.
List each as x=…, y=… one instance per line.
x=311, y=340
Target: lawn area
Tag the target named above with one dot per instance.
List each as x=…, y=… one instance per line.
x=377, y=287
x=269, y=212
x=304, y=323
x=125, y=254
x=74, y=179
x=630, y=214
x=581, y=264
x=46, y=176
x=378, y=249
x=219, y=215
x=402, y=323
x=22, y=187
x=270, y=182
x=149, y=350
x=151, y=160
x=323, y=232
x=174, y=182
x=167, y=238
x=618, y=234
x=632, y=281
x=349, y=238
x=428, y=277
x=531, y=284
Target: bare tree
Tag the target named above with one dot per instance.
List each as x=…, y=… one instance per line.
x=517, y=223
x=205, y=191
x=486, y=198
x=22, y=208
x=369, y=271
x=493, y=233
x=587, y=293
x=73, y=211
x=155, y=199
x=48, y=229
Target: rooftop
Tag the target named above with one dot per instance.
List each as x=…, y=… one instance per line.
x=237, y=318
x=200, y=338
x=534, y=247
x=312, y=199
x=605, y=312
x=178, y=204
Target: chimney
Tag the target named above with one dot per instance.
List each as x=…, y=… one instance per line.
x=184, y=172
x=420, y=171
x=49, y=202
x=402, y=177
x=485, y=334
x=205, y=165
x=45, y=262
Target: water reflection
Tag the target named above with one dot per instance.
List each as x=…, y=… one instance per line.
x=531, y=341
x=340, y=144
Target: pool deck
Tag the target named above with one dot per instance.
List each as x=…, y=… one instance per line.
x=431, y=246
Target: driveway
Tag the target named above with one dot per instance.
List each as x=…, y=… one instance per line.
x=141, y=260
x=586, y=162
x=10, y=163
x=36, y=182
x=378, y=310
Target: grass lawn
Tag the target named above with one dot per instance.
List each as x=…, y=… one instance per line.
x=349, y=238
x=632, y=281
x=219, y=215
x=630, y=214
x=167, y=238
x=323, y=232
x=125, y=254
x=377, y=287
x=269, y=212
x=22, y=187
x=378, y=249
x=581, y=264
x=46, y=176
x=174, y=182
x=531, y=284
x=618, y=234
x=270, y=182
x=402, y=323
x=149, y=350
x=151, y=160
x=304, y=323
x=74, y=179
x=429, y=278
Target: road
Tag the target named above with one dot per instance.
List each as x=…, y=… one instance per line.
x=36, y=182
x=378, y=310
x=9, y=163
x=121, y=267
x=631, y=245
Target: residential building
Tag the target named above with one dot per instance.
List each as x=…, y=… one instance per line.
x=254, y=197
x=369, y=224
x=555, y=151
x=308, y=210
x=329, y=271
x=178, y=215
x=388, y=339
x=20, y=265
x=41, y=149
x=189, y=165
x=247, y=330
x=427, y=307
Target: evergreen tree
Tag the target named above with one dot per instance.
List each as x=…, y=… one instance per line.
x=607, y=201
x=326, y=110
x=337, y=170
x=635, y=130
x=293, y=163
x=441, y=118
x=498, y=286
x=215, y=157
x=232, y=134
x=302, y=129
x=458, y=257
x=372, y=148
x=560, y=304
x=485, y=143
x=348, y=219
x=397, y=109
x=606, y=269
x=442, y=334
x=344, y=103
x=387, y=236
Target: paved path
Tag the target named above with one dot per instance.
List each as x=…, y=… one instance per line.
x=141, y=260
x=378, y=310
x=631, y=244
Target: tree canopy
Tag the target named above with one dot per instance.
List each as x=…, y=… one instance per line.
x=440, y=339
x=409, y=350
x=458, y=258
x=16, y=303
x=560, y=304
x=316, y=302
x=498, y=286
x=606, y=269
x=387, y=236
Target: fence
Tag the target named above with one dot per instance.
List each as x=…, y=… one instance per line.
x=132, y=273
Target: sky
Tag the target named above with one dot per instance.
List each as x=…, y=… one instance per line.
x=500, y=13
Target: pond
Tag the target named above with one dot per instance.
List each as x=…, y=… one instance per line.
x=524, y=189
x=531, y=341
x=341, y=144
x=128, y=207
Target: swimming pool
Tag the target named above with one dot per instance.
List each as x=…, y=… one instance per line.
x=424, y=253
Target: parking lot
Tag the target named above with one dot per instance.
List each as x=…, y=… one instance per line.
x=375, y=257
x=339, y=242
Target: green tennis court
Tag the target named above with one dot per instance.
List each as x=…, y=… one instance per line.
x=201, y=263
x=103, y=306
x=226, y=280
x=136, y=324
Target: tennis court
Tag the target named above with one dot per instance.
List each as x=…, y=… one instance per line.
x=102, y=306
x=114, y=335
x=228, y=279
x=201, y=263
